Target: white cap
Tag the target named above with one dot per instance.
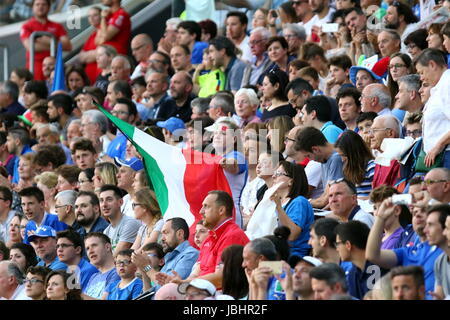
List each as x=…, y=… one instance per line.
x=201, y=284
x=216, y=125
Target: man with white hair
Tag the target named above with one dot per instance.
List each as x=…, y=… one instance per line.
x=386, y=126
x=246, y=103
x=295, y=35
x=376, y=98
x=65, y=208
x=11, y=282
x=260, y=60
x=120, y=68
x=170, y=35
x=142, y=49
x=94, y=126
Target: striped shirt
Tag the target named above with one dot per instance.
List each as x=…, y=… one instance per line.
x=364, y=188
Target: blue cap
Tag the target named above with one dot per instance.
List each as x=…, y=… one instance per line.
x=171, y=124
x=43, y=232
x=133, y=163
x=354, y=70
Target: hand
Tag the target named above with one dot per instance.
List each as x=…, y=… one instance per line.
x=277, y=199
x=420, y=199
x=140, y=260
x=432, y=154
x=261, y=276
x=331, y=83
x=436, y=296
x=271, y=19
x=386, y=209
x=163, y=278
x=230, y=165
x=106, y=13
x=176, y=277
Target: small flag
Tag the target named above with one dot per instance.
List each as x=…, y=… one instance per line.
x=59, y=82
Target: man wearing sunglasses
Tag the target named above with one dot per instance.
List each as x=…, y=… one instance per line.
x=437, y=183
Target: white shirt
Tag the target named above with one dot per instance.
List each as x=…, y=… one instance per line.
x=137, y=72
x=385, y=112
x=308, y=25
x=316, y=21
x=313, y=173
x=364, y=217
x=19, y=294
x=248, y=197
x=244, y=46
x=436, y=113
x=126, y=207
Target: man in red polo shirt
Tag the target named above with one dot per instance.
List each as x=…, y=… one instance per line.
x=40, y=22
x=217, y=211
x=115, y=27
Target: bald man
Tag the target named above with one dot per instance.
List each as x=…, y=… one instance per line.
x=437, y=182
x=386, y=126
x=142, y=49
x=376, y=98
x=180, y=88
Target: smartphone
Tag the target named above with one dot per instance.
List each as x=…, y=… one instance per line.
x=276, y=266
x=274, y=14
x=402, y=199
x=330, y=27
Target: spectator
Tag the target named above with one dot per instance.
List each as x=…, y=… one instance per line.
x=11, y=287
x=9, y=99
x=33, y=206
x=358, y=162
x=400, y=65
x=6, y=213
x=180, y=58
x=34, y=282
x=351, y=239
x=437, y=182
x=339, y=72
x=44, y=243
x=87, y=212
x=315, y=56
x=274, y=96
x=277, y=50
x=322, y=239
x=104, y=173
x=104, y=56
x=408, y=96
x=393, y=227
x=221, y=105
x=129, y=286
x=47, y=182
x=19, y=76
x=295, y=36
x=209, y=79
x=349, y=103
x=298, y=91
x=76, y=78
x=85, y=180
x=209, y=30
x=222, y=54
x=441, y=267
x=14, y=230
x=277, y=128
x=115, y=27
x=157, y=101
x=87, y=55
x=67, y=177
x=179, y=256
x=236, y=26
x=151, y=258
x=435, y=38
x=120, y=68
x=99, y=251
x=57, y=287
x=327, y=280
x=408, y=283
x=180, y=88
x=259, y=62
x=40, y=22
x=189, y=33
x=84, y=154
x=65, y=208
x=200, y=108
x=122, y=229
x=400, y=17
x=170, y=35
x=197, y=289
x=364, y=123
x=344, y=204
x=70, y=251
x=48, y=136
x=388, y=42
x=94, y=126
x=18, y=144
x=234, y=282
x=26, y=171
x=416, y=42
x=142, y=49
x=376, y=98
x=361, y=77
x=299, y=288
x=23, y=255
x=419, y=253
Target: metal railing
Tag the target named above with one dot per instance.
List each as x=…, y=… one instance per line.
x=5, y=61
x=33, y=37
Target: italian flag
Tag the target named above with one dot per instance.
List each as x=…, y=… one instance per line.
x=181, y=179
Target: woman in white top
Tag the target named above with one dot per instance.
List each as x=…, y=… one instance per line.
x=146, y=209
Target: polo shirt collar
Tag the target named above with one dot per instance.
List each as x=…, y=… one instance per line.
x=217, y=232
x=326, y=125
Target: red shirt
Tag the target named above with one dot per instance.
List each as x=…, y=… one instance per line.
x=121, y=20
x=219, y=239
x=386, y=175
x=34, y=25
x=91, y=68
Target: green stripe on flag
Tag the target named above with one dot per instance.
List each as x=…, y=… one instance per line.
x=151, y=166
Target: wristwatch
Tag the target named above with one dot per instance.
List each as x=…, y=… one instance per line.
x=147, y=268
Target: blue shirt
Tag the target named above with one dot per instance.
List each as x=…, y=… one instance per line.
x=99, y=282
x=275, y=290
x=99, y=226
x=86, y=272
x=423, y=255
x=300, y=211
x=181, y=259
x=50, y=220
x=358, y=280
x=332, y=169
x=197, y=52
x=14, y=108
x=54, y=265
x=118, y=146
x=131, y=291
x=331, y=131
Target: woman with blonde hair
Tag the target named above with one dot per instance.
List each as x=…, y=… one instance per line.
x=277, y=128
x=104, y=173
x=146, y=209
x=26, y=172
x=47, y=182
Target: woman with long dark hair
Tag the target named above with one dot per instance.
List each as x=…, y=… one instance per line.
x=274, y=96
x=234, y=280
x=359, y=165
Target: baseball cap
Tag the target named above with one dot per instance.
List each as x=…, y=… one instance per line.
x=133, y=163
x=171, y=124
x=43, y=232
x=293, y=260
x=354, y=70
x=27, y=118
x=216, y=125
x=201, y=284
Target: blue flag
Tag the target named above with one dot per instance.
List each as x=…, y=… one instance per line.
x=59, y=82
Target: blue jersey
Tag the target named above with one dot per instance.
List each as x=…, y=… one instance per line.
x=50, y=220
x=99, y=282
x=131, y=291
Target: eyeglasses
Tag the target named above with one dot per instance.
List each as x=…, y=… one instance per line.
x=156, y=61
x=397, y=66
x=255, y=42
x=372, y=131
x=286, y=139
x=411, y=46
x=348, y=183
x=32, y=281
x=83, y=181
x=63, y=205
x=297, y=3
x=414, y=133
x=64, y=245
x=429, y=181
x=134, y=205
x=151, y=255
x=279, y=173
x=115, y=113
x=337, y=243
x=123, y=262
x=289, y=36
